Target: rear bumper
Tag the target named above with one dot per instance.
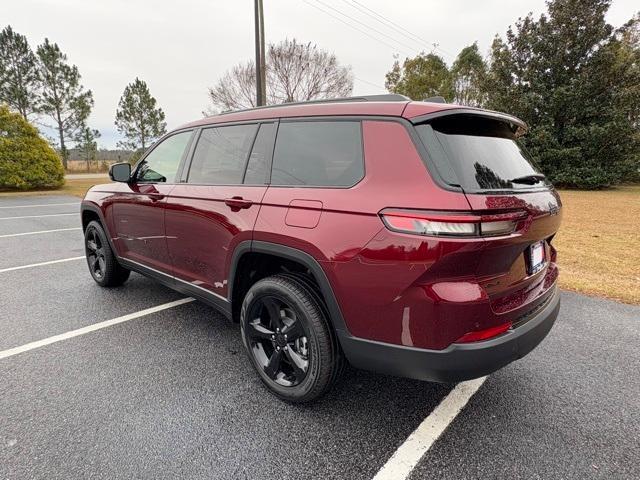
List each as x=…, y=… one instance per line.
x=459, y=361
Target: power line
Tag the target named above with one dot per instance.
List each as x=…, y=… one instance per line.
x=381, y=18
x=370, y=83
x=394, y=48
x=394, y=26
x=393, y=39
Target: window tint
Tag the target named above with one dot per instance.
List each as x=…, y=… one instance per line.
x=318, y=154
x=475, y=152
x=258, y=165
x=221, y=155
x=162, y=163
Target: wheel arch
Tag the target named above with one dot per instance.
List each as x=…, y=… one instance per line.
x=89, y=212
x=294, y=255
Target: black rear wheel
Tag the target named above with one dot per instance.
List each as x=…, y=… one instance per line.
x=278, y=341
x=287, y=337
x=103, y=265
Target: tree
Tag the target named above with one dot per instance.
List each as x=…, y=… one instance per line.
x=426, y=75
x=468, y=77
x=26, y=160
x=294, y=71
x=138, y=118
x=64, y=99
x=19, y=76
x=575, y=81
x=86, y=144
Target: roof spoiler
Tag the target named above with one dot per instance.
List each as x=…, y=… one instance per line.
x=518, y=126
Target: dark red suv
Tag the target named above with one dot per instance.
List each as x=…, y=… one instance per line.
x=409, y=238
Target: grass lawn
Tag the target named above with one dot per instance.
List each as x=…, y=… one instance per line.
x=598, y=243
x=75, y=186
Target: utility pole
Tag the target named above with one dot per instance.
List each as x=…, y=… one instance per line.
x=261, y=87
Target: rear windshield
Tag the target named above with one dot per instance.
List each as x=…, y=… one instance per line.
x=476, y=153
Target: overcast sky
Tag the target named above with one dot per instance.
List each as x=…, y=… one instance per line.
x=181, y=47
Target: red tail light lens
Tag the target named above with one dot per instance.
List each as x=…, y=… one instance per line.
x=452, y=224
x=485, y=334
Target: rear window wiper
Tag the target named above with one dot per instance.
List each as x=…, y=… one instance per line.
x=529, y=179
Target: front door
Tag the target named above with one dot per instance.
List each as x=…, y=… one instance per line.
x=217, y=207
x=138, y=212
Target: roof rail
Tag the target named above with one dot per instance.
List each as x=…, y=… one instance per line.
x=389, y=97
x=437, y=99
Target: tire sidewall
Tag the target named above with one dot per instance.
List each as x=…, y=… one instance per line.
x=268, y=287
x=95, y=226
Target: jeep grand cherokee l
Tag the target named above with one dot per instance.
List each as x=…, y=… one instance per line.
x=408, y=238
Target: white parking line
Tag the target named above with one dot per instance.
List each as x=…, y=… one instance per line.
x=40, y=231
x=91, y=328
x=40, y=216
x=41, y=205
x=407, y=456
x=41, y=264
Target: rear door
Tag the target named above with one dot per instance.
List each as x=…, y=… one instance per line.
x=318, y=164
x=216, y=205
x=138, y=210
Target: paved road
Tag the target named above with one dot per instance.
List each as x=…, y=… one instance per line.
x=171, y=394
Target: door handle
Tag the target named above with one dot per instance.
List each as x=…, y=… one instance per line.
x=155, y=196
x=238, y=202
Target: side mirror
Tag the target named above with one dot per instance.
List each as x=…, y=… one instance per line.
x=120, y=172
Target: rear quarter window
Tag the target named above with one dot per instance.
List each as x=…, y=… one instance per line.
x=318, y=153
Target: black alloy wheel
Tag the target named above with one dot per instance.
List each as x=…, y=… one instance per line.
x=278, y=341
x=95, y=253
x=103, y=264
x=289, y=339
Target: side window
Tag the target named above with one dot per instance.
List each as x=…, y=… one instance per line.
x=318, y=153
x=221, y=155
x=161, y=165
x=258, y=164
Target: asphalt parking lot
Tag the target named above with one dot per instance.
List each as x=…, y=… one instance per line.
x=171, y=393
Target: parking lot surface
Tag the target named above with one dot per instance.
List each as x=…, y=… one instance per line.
x=171, y=393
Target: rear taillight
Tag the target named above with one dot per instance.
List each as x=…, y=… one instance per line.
x=451, y=224
x=485, y=334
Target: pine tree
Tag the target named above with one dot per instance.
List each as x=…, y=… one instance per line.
x=19, y=76
x=138, y=118
x=86, y=144
x=64, y=99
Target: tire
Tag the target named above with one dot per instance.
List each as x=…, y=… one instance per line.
x=102, y=263
x=288, y=339
x=313, y=289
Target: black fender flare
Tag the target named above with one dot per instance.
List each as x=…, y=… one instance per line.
x=90, y=207
x=290, y=253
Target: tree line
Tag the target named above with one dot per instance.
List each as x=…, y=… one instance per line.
x=569, y=74
x=45, y=88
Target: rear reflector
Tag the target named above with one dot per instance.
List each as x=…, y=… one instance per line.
x=451, y=224
x=485, y=334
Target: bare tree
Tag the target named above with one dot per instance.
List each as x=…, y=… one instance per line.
x=295, y=72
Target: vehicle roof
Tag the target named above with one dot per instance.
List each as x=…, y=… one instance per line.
x=405, y=109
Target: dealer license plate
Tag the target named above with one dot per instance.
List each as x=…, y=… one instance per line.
x=536, y=257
